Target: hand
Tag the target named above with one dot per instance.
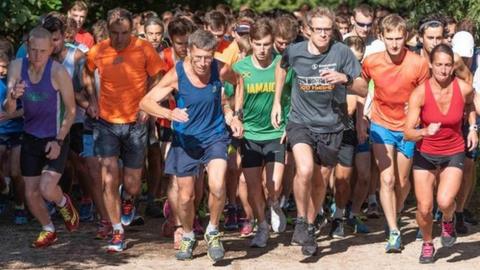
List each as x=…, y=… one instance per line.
x=92, y=109
x=179, y=115
x=18, y=89
x=228, y=118
x=472, y=140
x=433, y=128
x=237, y=128
x=53, y=150
x=142, y=117
x=333, y=77
x=276, y=115
x=362, y=130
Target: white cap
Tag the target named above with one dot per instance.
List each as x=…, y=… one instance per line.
x=462, y=44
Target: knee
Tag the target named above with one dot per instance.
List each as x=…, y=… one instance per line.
x=388, y=181
x=218, y=192
x=304, y=173
x=424, y=210
x=45, y=189
x=445, y=203
x=186, y=198
x=32, y=193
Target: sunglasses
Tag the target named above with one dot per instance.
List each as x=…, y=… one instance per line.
x=363, y=25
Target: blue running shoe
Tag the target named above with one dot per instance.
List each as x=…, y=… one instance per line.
x=394, y=244
x=358, y=225
x=86, y=210
x=128, y=209
x=20, y=217
x=117, y=244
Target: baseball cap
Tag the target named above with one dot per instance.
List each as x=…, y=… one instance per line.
x=462, y=44
x=242, y=29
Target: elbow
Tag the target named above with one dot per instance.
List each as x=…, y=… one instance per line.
x=143, y=104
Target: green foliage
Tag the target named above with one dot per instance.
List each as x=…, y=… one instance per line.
x=17, y=17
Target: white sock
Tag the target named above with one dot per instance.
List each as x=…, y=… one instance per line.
x=118, y=227
x=339, y=213
x=49, y=227
x=211, y=228
x=372, y=198
x=63, y=202
x=189, y=235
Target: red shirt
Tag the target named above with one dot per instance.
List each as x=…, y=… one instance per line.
x=449, y=139
x=85, y=37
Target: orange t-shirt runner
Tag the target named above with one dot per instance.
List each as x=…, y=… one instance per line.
x=393, y=86
x=123, y=77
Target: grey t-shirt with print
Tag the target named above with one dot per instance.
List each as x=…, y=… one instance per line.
x=321, y=106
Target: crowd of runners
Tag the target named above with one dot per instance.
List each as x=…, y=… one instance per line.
x=242, y=119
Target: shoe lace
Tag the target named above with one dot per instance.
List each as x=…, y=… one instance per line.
x=447, y=229
x=42, y=236
x=427, y=250
x=214, y=240
x=117, y=237
x=185, y=244
x=65, y=212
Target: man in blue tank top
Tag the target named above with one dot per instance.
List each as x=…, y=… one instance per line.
x=200, y=137
x=46, y=93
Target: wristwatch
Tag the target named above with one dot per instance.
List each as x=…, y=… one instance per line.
x=60, y=142
x=238, y=113
x=349, y=80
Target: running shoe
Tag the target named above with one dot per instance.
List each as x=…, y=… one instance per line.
x=70, y=215
x=337, y=230
x=45, y=239
x=300, y=234
x=20, y=217
x=128, y=212
x=51, y=208
x=394, y=244
x=310, y=246
x=186, y=248
x=197, y=226
x=231, y=218
x=215, y=248
x=460, y=226
x=469, y=218
x=428, y=250
x=104, y=230
x=138, y=221
x=320, y=222
x=448, y=236
x=358, y=225
x=117, y=244
x=277, y=218
x=247, y=229
x=261, y=237
x=177, y=238
x=373, y=211
x=86, y=210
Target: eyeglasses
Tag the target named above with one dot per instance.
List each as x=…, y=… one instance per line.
x=364, y=25
x=319, y=30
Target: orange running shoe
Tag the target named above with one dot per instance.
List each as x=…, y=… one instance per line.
x=70, y=215
x=45, y=239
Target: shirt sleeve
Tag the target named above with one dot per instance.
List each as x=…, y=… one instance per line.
x=351, y=65
x=366, y=69
x=154, y=63
x=91, y=55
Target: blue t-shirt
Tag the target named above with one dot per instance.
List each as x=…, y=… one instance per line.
x=22, y=51
x=12, y=125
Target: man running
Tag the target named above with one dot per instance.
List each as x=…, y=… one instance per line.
x=125, y=63
x=323, y=71
x=199, y=137
x=392, y=153
x=45, y=90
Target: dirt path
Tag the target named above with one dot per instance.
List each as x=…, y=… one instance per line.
x=148, y=250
